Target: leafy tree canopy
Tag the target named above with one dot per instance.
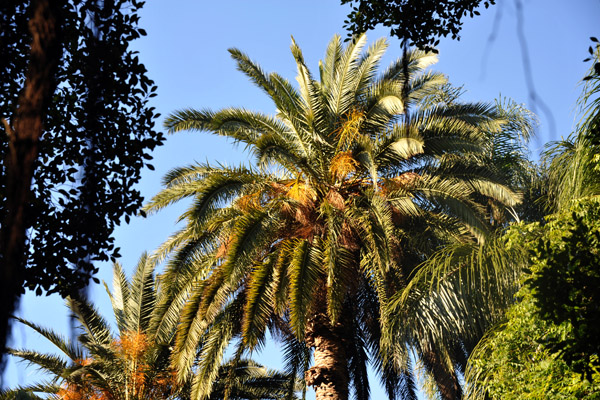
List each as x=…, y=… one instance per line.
x=420, y=22
x=566, y=283
x=512, y=364
x=547, y=346
x=97, y=135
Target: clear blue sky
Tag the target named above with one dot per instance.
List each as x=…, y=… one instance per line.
x=186, y=54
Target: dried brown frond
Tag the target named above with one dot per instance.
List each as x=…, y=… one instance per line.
x=348, y=238
x=336, y=199
x=279, y=188
x=304, y=232
x=305, y=220
x=302, y=216
x=403, y=181
x=399, y=218
x=406, y=179
x=224, y=247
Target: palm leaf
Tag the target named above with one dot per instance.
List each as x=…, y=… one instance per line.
x=96, y=329
x=46, y=362
x=214, y=344
x=119, y=297
x=142, y=299
x=71, y=350
x=259, y=302
x=304, y=272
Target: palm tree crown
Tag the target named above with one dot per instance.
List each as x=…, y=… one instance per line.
x=358, y=176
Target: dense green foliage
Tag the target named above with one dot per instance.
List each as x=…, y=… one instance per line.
x=548, y=345
x=566, y=283
x=513, y=363
x=549, y=336
x=97, y=135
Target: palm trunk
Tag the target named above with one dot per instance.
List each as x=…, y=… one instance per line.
x=447, y=381
x=329, y=374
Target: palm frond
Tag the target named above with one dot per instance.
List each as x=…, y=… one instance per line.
x=184, y=120
x=29, y=392
x=296, y=359
x=119, y=296
x=96, y=329
x=328, y=67
x=283, y=94
x=190, y=329
x=338, y=263
x=315, y=111
x=213, y=347
x=304, y=272
x=347, y=77
x=368, y=66
x=454, y=196
x=46, y=362
x=142, y=299
x=215, y=187
x=412, y=62
x=71, y=350
x=260, y=301
x=245, y=379
x=462, y=280
x=357, y=363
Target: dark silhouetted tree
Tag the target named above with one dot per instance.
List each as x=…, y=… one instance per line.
x=420, y=22
x=78, y=129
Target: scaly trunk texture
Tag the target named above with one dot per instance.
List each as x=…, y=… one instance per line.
x=24, y=136
x=447, y=381
x=329, y=374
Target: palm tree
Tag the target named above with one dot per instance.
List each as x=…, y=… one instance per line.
x=573, y=164
x=357, y=178
x=135, y=364
x=132, y=365
x=465, y=287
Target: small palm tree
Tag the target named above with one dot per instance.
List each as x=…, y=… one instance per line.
x=134, y=364
x=358, y=177
x=573, y=164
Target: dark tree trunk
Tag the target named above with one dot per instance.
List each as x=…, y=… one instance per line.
x=447, y=381
x=329, y=374
x=24, y=133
